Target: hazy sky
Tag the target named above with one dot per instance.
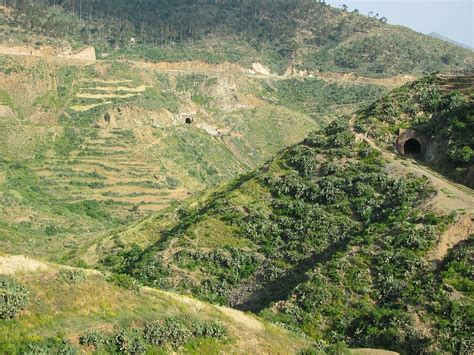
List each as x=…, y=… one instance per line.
x=450, y=18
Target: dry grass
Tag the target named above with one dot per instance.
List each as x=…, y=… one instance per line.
x=71, y=309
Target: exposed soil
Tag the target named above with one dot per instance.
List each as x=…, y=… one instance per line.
x=6, y=112
x=10, y=265
x=84, y=57
x=455, y=234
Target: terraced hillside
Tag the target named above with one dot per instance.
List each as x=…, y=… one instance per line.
x=92, y=93
x=335, y=237
x=95, y=146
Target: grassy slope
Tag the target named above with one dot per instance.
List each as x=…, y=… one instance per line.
x=60, y=310
x=321, y=239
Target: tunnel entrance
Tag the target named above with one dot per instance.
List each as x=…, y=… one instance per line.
x=188, y=120
x=412, y=147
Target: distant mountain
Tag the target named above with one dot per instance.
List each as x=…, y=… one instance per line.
x=301, y=34
x=437, y=35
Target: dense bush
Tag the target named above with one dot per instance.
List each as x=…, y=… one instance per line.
x=212, y=329
x=13, y=298
x=53, y=346
x=129, y=341
x=93, y=338
x=72, y=276
x=176, y=332
x=124, y=281
x=173, y=332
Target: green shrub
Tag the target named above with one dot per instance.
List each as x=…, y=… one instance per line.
x=129, y=341
x=177, y=331
x=214, y=329
x=72, y=276
x=49, y=346
x=124, y=281
x=13, y=298
x=171, y=331
x=93, y=338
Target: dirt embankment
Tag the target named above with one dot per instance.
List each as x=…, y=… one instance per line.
x=191, y=66
x=86, y=54
x=456, y=233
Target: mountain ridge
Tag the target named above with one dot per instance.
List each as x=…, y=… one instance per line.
x=447, y=39
x=311, y=35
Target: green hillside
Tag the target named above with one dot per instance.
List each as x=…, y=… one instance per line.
x=90, y=145
x=232, y=176
x=96, y=146
x=323, y=239
x=306, y=34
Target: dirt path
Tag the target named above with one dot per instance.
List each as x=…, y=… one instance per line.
x=451, y=197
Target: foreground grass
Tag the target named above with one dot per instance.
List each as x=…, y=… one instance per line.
x=60, y=309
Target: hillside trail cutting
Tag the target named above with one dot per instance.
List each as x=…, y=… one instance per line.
x=451, y=198
x=87, y=56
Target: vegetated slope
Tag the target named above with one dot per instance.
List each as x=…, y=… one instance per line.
x=49, y=309
x=322, y=239
x=438, y=107
x=305, y=33
x=89, y=147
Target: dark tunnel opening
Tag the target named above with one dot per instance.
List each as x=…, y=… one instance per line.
x=412, y=147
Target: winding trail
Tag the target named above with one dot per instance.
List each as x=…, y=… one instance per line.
x=451, y=197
